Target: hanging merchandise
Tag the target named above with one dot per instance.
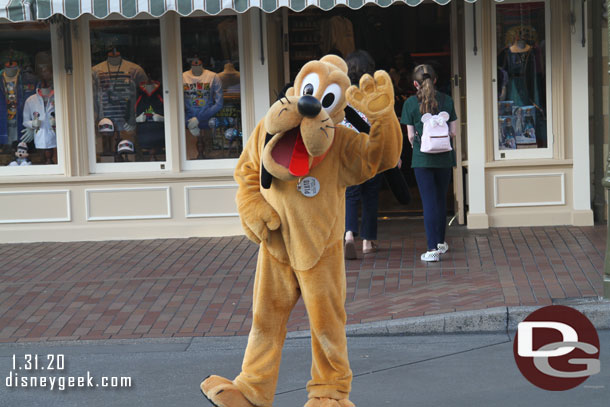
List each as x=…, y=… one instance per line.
x=337, y=33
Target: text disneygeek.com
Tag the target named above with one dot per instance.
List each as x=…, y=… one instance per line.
x=26, y=369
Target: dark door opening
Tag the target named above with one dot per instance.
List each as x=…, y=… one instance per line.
x=398, y=38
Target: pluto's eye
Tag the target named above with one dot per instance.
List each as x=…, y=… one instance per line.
x=332, y=95
x=310, y=85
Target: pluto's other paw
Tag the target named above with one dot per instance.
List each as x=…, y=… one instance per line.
x=223, y=393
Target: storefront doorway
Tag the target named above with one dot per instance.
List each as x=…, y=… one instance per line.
x=398, y=38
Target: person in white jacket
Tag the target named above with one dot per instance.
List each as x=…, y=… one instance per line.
x=39, y=122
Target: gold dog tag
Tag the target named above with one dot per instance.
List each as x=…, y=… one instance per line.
x=309, y=186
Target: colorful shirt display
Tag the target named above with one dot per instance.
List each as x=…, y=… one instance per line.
x=115, y=89
x=13, y=94
x=202, y=96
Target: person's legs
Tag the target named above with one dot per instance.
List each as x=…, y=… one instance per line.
x=427, y=191
x=275, y=293
x=370, y=205
x=442, y=177
x=352, y=199
x=323, y=290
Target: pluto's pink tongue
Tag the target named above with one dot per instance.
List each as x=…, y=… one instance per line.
x=299, y=162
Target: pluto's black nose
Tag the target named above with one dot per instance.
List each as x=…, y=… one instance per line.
x=309, y=106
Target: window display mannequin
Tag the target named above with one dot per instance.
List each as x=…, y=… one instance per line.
x=202, y=100
x=150, y=127
x=39, y=121
x=518, y=61
x=229, y=78
x=115, y=91
x=15, y=87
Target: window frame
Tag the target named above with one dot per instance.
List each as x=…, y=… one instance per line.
x=126, y=167
x=530, y=153
x=57, y=55
x=213, y=163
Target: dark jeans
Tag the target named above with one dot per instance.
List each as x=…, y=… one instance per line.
x=433, y=184
x=368, y=192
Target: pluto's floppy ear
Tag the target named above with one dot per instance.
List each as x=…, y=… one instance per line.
x=266, y=178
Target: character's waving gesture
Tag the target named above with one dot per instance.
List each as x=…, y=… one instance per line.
x=292, y=177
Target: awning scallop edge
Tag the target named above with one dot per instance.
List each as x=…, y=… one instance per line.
x=130, y=8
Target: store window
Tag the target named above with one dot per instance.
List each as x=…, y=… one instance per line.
x=211, y=88
x=128, y=103
x=523, y=79
x=28, y=126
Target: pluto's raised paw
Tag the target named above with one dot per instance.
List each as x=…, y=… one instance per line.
x=374, y=97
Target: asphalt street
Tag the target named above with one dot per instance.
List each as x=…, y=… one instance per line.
x=446, y=370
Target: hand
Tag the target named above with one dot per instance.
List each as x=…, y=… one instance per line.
x=192, y=123
x=36, y=123
x=158, y=118
x=27, y=135
x=141, y=118
x=259, y=219
x=52, y=122
x=128, y=127
x=375, y=97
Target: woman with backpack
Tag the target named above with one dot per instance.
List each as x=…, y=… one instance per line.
x=431, y=124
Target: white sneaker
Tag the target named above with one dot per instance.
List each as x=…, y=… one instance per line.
x=431, y=255
x=442, y=247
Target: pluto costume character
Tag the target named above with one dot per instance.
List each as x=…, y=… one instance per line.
x=299, y=222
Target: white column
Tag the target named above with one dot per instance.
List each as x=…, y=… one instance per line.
x=475, y=113
x=582, y=214
x=255, y=69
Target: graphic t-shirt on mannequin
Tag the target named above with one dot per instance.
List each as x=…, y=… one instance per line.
x=115, y=82
x=202, y=94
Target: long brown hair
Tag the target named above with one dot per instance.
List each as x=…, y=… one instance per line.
x=426, y=94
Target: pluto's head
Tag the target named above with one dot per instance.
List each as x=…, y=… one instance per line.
x=301, y=126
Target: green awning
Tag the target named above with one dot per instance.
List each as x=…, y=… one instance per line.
x=130, y=8
x=16, y=10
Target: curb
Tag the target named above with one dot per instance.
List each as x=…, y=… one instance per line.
x=489, y=320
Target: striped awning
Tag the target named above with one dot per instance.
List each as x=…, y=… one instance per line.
x=129, y=8
x=16, y=10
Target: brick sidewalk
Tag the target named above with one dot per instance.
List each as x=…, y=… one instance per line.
x=203, y=286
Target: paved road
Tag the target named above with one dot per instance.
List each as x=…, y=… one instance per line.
x=450, y=370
